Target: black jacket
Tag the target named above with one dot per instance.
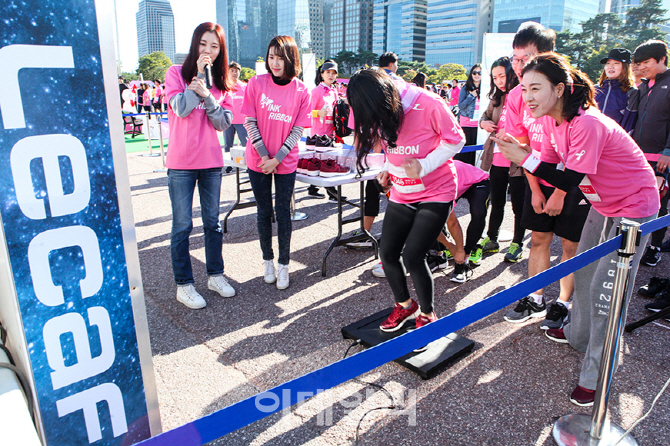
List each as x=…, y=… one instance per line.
x=652, y=131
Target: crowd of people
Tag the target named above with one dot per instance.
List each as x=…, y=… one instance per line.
x=558, y=144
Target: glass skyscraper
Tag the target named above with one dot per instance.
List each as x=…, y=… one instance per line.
x=155, y=28
x=455, y=30
x=400, y=26
x=303, y=20
x=559, y=15
x=350, y=26
x=249, y=28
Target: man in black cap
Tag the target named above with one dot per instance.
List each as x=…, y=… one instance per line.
x=652, y=131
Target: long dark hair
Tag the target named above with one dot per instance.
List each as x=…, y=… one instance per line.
x=420, y=80
x=219, y=65
x=496, y=94
x=579, y=92
x=470, y=83
x=378, y=115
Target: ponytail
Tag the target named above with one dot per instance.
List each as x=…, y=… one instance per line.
x=579, y=91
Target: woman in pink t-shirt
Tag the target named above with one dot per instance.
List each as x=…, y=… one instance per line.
x=237, y=95
x=502, y=172
x=614, y=176
x=276, y=107
x=420, y=135
x=195, y=114
x=468, y=106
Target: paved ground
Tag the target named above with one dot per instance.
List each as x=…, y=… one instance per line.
x=508, y=391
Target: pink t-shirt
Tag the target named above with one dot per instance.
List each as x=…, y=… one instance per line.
x=277, y=108
x=619, y=181
x=237, y=94
x=454, y=96
x=519, y=122
x=467, y=176
x=194, y=143
x=499, y=159
x=427, y=123
x=320, y=96
x=147, y=96
x=467, y=122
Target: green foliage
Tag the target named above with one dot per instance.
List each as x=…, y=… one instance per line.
x=348, y=61
x=130, y=76
x=260, y=59
x=154, y=66
x=607, y=31
x=247, y=73
x=438, y=75
x=409, y=75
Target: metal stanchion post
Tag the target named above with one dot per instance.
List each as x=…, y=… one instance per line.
x=596, y=430
x=295, y=215
x=160, y=138
x=148, y=129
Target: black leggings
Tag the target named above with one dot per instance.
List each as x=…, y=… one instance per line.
x=415, y=228
x=477, y=196
x=499, y=177
x=372, y=196
x=470, y=140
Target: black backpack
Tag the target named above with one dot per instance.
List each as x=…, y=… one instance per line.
x=341, y=118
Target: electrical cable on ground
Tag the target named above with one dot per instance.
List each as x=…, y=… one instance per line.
x=639, y=420
x=365, y=383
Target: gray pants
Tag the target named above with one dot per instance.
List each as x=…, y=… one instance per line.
x=593, y=289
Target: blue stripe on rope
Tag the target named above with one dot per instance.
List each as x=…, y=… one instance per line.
x=245, y=412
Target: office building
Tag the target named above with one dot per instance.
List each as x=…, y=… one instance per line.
x=155, y=28
x=455, y=30
x=249, y=27
x=559, y=15
x=350, y=26
x=302, y=20
x=327, y=30
x=400, y=26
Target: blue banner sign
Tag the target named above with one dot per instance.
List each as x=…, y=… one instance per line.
x=61, y=220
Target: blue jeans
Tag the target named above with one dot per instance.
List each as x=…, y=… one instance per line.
x=229, y=136
x=261, y=184
x=181, y=184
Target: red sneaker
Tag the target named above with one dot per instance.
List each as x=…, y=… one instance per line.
x=330, y=168
x=556, y=335
x=422, y=320
x=399, y=316
x=302, y=165
x=582, y=396
x=313, y=167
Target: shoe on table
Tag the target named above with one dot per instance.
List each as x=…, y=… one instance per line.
x=555, y=316
x=330, y=168
x=313, y=167
x=661, y=303
x=378, y=271
x=489, y=245
x=651, y=256
x=311, y=140
x=556, y=335
x=514, y=253
x=476, y=256
x=655, y=286
x=462, y=273
x=269, y=275
x=187, y=295
x=399, y=316
x=282, y=276
x=525, y=309
x=582, y=396
x=220, y=285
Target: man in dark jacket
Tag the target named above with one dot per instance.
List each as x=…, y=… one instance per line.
x=652, y=131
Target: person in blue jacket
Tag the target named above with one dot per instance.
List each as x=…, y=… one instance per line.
x=616, y=88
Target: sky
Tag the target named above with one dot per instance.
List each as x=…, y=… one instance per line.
x=187, y=15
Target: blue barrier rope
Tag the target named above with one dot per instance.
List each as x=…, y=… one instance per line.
x=142, y=114
x=247, y=411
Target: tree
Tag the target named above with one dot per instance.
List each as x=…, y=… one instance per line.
x=346, y=59
x=607, y=31
x=448, y=72
x=247, y=73
x=129, y=76
x=154, y=65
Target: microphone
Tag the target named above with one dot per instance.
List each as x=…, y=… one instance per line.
x=208, y=76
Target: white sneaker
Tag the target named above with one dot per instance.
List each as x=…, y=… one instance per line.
x=282, y=276
x=269, y=274
x=378, y=270
x=221, y=286
x=190, y=297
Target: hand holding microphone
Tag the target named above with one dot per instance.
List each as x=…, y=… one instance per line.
x=208, y=76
